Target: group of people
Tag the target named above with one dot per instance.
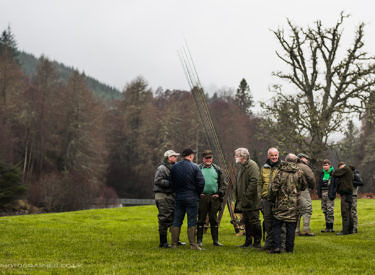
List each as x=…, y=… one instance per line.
x=280, y=190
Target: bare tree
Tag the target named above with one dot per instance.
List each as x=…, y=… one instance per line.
x=331, y=84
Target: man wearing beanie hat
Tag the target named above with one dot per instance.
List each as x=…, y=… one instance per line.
x=164, y=196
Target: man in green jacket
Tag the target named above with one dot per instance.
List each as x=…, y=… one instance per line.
x=211, y=197
x=247, y=198
x=344, y=186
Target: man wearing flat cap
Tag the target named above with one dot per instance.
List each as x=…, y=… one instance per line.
x=164, y=196
x=211, y=197
x=304, y=201
x=187, y=181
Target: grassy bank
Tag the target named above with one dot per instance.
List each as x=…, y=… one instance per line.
x=125, y=240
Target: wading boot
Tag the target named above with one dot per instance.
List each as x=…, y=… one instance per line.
x=163, y=241
x=257, y=233
x=215, y=235
x=199, y=235
x=191, y=236
x=327, y=229
x=175, y=232
x=249, y=240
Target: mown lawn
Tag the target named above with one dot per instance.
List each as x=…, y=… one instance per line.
x=125, y=241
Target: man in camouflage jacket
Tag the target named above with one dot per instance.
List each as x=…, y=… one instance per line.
x=284, y=192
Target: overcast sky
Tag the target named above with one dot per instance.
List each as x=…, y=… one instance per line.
x=116, y=41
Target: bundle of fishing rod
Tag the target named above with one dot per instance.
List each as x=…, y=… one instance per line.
x=210, y=132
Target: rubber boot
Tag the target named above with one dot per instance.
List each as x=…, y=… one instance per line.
x=191, y=237
x=327, y=229
x=199, y=235
x=175, y=232
x=248, y=241
x=306, y=226
x=257, y=233
x=215, y=235
x=163, y=241
x=330, y=227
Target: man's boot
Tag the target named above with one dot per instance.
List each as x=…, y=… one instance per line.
x=215, y=235
x=257, y=233
x=327, y=229
x=199, y=235
x=331, y=227
x=248, y=241
x=306, y=226
x=175, y=232
x=163, y=241
x=191, y=236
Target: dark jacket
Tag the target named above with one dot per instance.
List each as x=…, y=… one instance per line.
x=245, y=191
x=186, y=180
x=161, y=179
x=327, y=185
x=221, y=184
x=343, y=180
x=357, y=180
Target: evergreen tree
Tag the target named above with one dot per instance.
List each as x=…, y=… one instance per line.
x=10, y=184
x=243, y=97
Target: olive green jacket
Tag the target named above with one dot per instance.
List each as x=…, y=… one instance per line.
x=245, y=191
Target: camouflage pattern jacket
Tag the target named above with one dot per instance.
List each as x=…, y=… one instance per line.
x=285, y=190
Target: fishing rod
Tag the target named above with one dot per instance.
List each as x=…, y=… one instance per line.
x=209, y=127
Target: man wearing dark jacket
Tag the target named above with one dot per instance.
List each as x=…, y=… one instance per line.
x=327, y=194
x=211, y=197
x=344, y=186
x=247, y=198
x=164, y=196
x=187, y=182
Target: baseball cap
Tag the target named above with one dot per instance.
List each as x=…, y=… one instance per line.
x=170, y=153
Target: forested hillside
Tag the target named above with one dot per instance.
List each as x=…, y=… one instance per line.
x=29, y=64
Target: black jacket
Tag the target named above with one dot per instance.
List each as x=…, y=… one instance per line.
x=186, y=180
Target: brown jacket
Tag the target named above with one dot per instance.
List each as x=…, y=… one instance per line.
x=343, y=180
x=309, y=175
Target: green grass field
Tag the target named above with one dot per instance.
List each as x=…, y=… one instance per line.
x=125, y=241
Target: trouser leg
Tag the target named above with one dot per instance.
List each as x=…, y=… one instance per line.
x=204, y=205
x=346, y=213
x=165, y=207
x=276, y=233
x=246, y=222
x=267, y=216
x=283, y=236
x=290, y=235
x=354, y=214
